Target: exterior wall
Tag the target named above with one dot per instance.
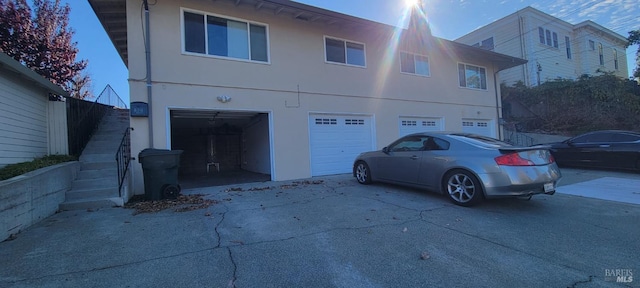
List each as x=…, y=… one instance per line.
x=23, y=120
x=517, y=35
x=296, y=74
x=590, y=58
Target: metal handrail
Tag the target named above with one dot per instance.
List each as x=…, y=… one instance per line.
x=519, y=139
x=123, y=158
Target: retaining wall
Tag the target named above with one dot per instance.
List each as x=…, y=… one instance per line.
x=29, y=198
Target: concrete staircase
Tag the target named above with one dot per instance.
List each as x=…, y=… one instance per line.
x=97, y=183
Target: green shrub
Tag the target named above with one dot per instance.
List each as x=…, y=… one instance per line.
x=13, y=170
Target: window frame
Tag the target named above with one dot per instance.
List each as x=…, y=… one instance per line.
x=615, y=59
x=414, y=64
x=346, y=53
x=486, y=77
x=567, y=43
x=206, y=39
x=600, y=54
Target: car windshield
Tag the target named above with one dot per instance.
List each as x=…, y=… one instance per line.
x=481, y=141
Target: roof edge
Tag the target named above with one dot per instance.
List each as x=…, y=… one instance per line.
x=12, y=64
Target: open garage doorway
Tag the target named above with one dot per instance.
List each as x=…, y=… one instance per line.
x=221, y=147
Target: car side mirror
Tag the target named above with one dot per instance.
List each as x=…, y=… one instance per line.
x=385, y=150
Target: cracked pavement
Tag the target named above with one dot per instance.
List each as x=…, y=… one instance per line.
x=331, y=233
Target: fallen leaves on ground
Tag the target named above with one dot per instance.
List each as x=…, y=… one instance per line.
x=182, y=203
x=425, y=255
x=283, y=186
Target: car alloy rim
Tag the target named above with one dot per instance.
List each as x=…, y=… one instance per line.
x=461, y=188
x=361, y=173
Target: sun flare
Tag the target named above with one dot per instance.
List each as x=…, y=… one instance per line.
x=411, y=3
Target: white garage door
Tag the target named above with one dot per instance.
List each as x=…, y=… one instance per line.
x=410, y=125
x=480, y=127
x=336, y=140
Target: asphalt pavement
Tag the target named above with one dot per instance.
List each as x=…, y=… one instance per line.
x=333, y=232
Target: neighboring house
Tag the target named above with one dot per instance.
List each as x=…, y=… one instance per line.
x=554, y=48
x=290, y=90
x=31, y=126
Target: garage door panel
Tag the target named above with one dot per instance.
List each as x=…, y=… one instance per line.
x=409, y=125
x=480, y=127
x=336, y=140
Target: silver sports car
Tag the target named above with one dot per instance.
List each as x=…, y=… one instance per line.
x=466, y=167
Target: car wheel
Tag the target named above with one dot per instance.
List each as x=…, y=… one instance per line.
x=462, y=187
x=363, y=174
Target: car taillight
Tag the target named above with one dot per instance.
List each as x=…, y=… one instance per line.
x=551, y=159
x=513, y=159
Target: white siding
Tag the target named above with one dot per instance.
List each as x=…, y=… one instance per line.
x=23, y=120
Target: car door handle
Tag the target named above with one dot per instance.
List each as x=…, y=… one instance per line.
x=604, y=146
x=414, y=157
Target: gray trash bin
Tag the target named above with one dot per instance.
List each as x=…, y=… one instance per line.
x=160, y=170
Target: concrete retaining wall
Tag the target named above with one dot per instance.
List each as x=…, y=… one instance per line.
x=29, y=198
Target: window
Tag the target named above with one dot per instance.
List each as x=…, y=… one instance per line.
x=486, y=44
x=592, y=45
x=615, y=59
x=600, y=54
x=409, y=123
x=414, y=64
x=354, y=122
x=548, y=37
x=472, y=76
x=541, y=35
x=548, y=33
x=418, y=143
x=325, y=121
x=345, y=52
x=217, y=36
x=567, y=42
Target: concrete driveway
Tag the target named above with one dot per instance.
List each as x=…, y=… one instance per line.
x=333, y=232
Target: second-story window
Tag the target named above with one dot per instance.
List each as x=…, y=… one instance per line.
x=615, y=59
x=222, y=37
x=567, y=43
x=471, y=76
x=345, y=52
x=414, y=64
x=600, y=54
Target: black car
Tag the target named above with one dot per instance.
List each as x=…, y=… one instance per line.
x=612, y=149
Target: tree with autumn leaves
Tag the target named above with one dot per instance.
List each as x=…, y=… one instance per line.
x=41, y=39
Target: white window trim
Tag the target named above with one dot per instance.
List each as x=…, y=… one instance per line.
x=324, y=48
x=414, y=59
x=206, y=43
x=486, y=73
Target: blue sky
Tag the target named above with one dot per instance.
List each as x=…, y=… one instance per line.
x=449, y=19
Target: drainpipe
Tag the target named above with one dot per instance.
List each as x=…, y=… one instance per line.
x=147, y=51
x=495, y=87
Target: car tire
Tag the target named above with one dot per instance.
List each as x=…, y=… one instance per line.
x=363, y=173
x=462, y=188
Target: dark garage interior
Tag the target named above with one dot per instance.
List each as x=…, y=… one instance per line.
x=221, y=147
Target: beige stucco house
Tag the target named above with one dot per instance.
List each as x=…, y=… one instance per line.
x=290, y=90
x=554, y=48
x=31, y=126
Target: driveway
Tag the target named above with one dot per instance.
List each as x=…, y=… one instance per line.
x=333, y=232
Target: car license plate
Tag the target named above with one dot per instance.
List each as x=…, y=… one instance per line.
x=548, y=187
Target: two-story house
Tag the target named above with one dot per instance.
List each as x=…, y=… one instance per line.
x=287, y=89
x=554, y=48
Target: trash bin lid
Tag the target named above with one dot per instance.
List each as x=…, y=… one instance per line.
x=156, y=152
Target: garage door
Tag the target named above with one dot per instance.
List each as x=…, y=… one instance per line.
x=410, y=125
x=336, y=140
x=480, y=127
